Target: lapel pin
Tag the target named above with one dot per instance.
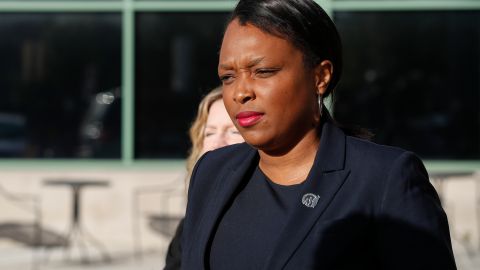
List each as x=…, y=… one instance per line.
x=310, y=200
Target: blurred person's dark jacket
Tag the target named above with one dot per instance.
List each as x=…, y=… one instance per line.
x=174, y=252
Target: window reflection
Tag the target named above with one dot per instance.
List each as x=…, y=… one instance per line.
x=176, y=62
x=412, y=77
x=52, y=65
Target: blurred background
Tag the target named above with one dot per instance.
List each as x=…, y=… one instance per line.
x=96, y=98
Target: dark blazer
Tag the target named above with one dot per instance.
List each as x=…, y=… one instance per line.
x=377, y=209
x=174, y=252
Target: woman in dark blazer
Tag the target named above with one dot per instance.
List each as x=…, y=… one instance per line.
x=301, y=193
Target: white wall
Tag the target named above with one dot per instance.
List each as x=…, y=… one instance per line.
x=107, y=212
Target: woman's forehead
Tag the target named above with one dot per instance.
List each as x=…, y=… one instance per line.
x=249, y=45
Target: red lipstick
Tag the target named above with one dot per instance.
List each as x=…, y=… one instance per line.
x=248, y=118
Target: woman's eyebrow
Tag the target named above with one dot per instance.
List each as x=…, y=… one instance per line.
x=251, y=63
x=255, y=61
x=225, y=66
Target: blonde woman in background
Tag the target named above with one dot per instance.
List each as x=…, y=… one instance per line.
x=211, y=129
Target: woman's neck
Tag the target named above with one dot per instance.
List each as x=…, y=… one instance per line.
x=291, y=167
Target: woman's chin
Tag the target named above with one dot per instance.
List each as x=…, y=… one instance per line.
x=267, y=146
x=255, y=139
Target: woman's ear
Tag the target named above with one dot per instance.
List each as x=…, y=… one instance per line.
x=323, y=76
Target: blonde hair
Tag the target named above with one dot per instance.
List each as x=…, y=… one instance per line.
x=197, y=129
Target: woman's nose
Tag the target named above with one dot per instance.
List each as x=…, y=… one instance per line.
x=215, y=145
x=244, y=91
x=221, y=141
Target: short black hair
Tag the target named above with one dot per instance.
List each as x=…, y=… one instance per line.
x=302, y=22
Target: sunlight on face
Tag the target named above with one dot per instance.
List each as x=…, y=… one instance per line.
x=219, y=129
x=267, y=88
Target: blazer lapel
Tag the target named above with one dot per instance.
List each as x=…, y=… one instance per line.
x=325, y=179
x=226, y=185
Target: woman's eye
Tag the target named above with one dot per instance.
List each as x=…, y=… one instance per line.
x=265, y=72
x=233, y=132
x=208, y=134
x=227, y=78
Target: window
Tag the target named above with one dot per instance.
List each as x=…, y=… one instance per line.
x=121, y=79
x=176, y=63
x=412, y=77
x=54, y=66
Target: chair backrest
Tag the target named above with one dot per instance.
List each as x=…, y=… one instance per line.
x=24, y=201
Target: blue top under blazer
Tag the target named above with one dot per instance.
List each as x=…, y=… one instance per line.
x=377, y=209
